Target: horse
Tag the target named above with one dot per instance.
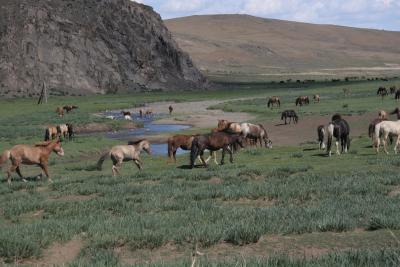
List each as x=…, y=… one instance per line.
x=336, y=116
x=382, y=91
x=386, y=128
x=339, y=129
x=71, y=132
x=121, y=153
x=382, y=115
x=214, y=142
x=227, y=126
x=302, y=100
x=51, y=133
x=256, y=132
x=170, y=108
x=346, y=92
x=62, y=130
x=397, y=95
x=392, y=90
x=31, y=155
x=291, y=114
x=371, y=129
x=274, y=100
x=126, y=113
x=69, y=108
x=60, y=111
x=141, y=112
x=183, y=142
x=321, y=136
x=316, y=98
x=149, y=113
x=397, y=112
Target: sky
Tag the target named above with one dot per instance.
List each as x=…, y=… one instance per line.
x=377, y=14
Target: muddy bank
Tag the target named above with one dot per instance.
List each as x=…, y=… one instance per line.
x=92, y=128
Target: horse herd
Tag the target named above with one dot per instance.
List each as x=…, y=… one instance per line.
x=228, y=137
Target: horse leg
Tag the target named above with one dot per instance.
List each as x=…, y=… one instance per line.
x=337, y=147
x=230, y=154
x=10, y=170
x=45, y=169
x=397, y=143
x=174, y=155
x=202, y=159
x=385, y=142
x=223, y=155
x=20, y=174
x=138, y=163
x=215, y=157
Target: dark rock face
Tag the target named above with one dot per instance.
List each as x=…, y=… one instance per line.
x=89, y=46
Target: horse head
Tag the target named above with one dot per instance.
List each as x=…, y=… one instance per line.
x=146, y=147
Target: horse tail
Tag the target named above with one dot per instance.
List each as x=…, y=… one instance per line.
x=4, y=157
x=282, y=116
x=330, y=129
x=47, y=135
x=170, y=148
x=269, y=103
x=194, y=151
x=371, y=129
x=377, y=135
x=101, y=160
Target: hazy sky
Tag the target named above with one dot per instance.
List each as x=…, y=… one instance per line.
x=378, y=14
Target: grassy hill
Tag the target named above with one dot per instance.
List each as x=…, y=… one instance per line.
x=252, y=48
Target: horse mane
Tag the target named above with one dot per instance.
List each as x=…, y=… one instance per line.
x=43, y=144
x=336, y=117
x=132, y=143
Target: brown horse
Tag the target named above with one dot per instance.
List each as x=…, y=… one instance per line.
x=121, y=153
x=31, y=155
x=346, y=92
x=397, y=112
x=51, y=133
x=316, y=98
x=60, y=111
x=125, y=113
x=170, y=108
x=227, y=126
x=382, y=115
x=274, y=100
x=183, y=142
x=256, y=133
x=149, y=113
x=214, y=142
x=69, y=108
x=302, y=100
x=382, y=91
x=141, y=112
x=393, y=90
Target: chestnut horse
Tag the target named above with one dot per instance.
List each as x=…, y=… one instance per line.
x=51, y=133
x=121, y=153
x=214, y=142
x=60, y=111
x=229, y=127
x=184, y=142
x=31, y=155
x=302, y=100
x=69, y=108
x=256, y=132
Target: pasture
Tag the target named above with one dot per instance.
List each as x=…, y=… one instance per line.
x=289, y=205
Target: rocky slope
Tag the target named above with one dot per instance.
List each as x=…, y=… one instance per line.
x=90, y=46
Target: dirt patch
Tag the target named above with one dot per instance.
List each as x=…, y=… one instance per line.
x=195, y=113
x=31, y=216
x=75, y=197
x=215, y=180
x=252, y=202
x=58, y=254
x=306, y=129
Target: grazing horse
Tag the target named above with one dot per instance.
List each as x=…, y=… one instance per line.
x=371, y=130
x=392, y=90
x=291, y=114
x=121, y=153
x=386, y=128
x=31, y=155
x=51, y=133
x=126, y=113
x=316, y=98
x=149, y=113
x=397, y=95
x=184, y=142
x=227, y=126
x=321, y=136
x=60, y=111
x=382, y=91
x=397, y=112
x=274, y=100
x=141, y=112
x=69, y=108
x=302, y=100
x=339, y=129
x=256, y=132
x=170, y=108
x=214, y=142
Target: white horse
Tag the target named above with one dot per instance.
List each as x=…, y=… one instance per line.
x=121, y=153
x=110, y=117
x=128, y=117
x=385, y=128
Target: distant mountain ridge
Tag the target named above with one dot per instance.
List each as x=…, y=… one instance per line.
x=252, y=45
x=90, y=46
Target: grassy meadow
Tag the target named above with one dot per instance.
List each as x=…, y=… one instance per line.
x=285, y=206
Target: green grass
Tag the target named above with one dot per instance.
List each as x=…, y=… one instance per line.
x=282, y=191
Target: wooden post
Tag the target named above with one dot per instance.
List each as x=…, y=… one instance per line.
x=43, y=94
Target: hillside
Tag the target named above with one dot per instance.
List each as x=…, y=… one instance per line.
x=245, y=45
x=91, y=46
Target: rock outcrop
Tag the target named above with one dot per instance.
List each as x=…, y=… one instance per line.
x=89, y=46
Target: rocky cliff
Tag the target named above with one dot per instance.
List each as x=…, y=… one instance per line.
x=89, y=46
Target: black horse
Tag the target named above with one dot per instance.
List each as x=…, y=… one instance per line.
x=397, y=94
x=382, y=91
x=291, y=114
x=392, y=90
x=214, y=142
x=339, y=129
x=71, y=131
